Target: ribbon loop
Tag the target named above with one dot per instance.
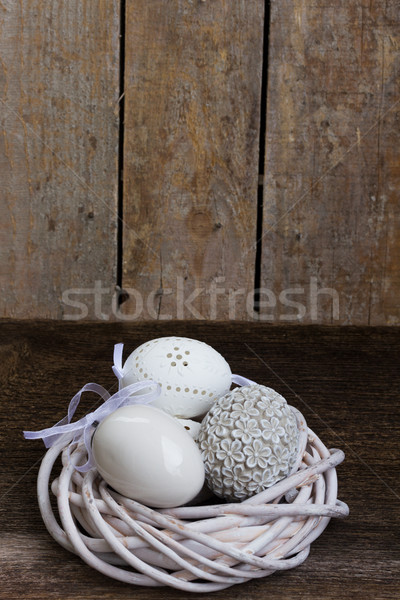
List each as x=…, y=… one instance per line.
x=82, y=428
x=239, y=380
x=117, y=366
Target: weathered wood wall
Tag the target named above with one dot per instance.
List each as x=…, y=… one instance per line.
x=59, y=90
x=332, y=165
x=191, y=140
x=192, y=118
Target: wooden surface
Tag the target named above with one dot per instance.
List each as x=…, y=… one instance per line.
x=180, y=163
x=59, y=92
x=192, y=119
x=345, y=381
x=332, y=166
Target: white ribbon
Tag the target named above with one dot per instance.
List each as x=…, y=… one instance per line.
x=117, y=366
x=83, y=427
x=239, y=380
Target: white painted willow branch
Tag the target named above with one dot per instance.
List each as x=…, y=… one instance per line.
x=192, y=548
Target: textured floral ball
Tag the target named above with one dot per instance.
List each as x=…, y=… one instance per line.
x=249, y=441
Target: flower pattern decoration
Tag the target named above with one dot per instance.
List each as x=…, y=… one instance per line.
x=209, y=447
x=258, y=454
x=221, y=423
x=248, y=441
x=246, y=430
x=229, y=452
x=272, y=430
x=244, y=410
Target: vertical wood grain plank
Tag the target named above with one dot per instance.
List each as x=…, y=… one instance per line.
x=192, y=108
x=332, y=169
x=58, y=153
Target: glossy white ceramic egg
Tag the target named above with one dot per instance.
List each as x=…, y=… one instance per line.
x=148, y=456
x=191, y=373
x=192, y=427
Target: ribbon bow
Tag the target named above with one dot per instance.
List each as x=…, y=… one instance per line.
x=117, y=366
x=83, y=427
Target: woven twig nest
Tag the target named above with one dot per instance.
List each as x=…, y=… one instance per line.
x=194, y=548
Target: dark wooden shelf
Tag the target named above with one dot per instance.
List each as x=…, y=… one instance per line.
x=346, y=382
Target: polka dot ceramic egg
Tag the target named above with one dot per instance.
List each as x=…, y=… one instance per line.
x=192, y=375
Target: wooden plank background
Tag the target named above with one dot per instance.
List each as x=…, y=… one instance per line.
x=191, y=140
x=192, y=118
x=58, y=152
x=332, y=168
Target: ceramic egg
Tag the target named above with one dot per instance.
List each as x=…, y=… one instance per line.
x=192, y=427
x=192, y=375
x=249, y=442
x=148, y=456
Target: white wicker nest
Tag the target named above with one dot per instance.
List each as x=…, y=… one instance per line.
x=193, y=548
